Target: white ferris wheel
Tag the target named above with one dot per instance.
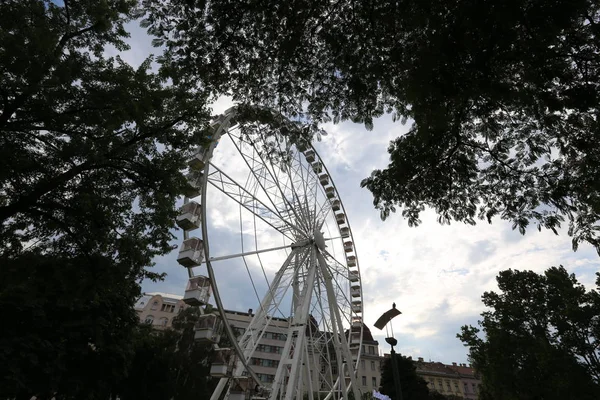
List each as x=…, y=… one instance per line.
x=293, y=260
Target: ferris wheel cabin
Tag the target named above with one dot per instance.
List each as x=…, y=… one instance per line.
x=190, y=216
x=199, y=159
x=310, y=156
x=241, y=386
x=223, y=358
x=195, y=181
x=335, y=205
x=351, y=261
x=324, y=179
x=197, y=292
x=208, y=329
x=191, y=253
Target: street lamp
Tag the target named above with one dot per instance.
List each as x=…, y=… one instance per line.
x=382, y=322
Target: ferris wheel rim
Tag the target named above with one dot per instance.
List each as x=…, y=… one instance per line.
x=222, y=129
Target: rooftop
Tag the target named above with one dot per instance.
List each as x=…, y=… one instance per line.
x=165, y=295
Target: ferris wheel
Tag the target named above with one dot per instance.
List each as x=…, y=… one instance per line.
x=274, y=236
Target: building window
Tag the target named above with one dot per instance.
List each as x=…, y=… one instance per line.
x=466, y=387
x=364, y=381
x=374, y=382
x=266, y=378
x=164, y=321
x=154, y=305
x=474, y=387
x=149, y=319
x=371, y=349
x=441, y=385
x=456, y=389
x=334, y=369
x=448, y=386
x=372, y=365
x=362, y=364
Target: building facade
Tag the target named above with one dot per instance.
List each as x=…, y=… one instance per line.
x=159, y=309
x=369, y=369
x=455, y=379
x=268, y=353
x=469, y=381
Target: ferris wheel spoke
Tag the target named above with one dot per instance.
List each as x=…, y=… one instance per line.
x=338, y=266
x=326, y=374
x=228, y=186
x=276, y=293
x=336, y=320
x=308, y=178
x=268, y=179
x=297, y=334
x=248, y=253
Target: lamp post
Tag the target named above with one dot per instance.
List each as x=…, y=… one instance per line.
x=382, y=322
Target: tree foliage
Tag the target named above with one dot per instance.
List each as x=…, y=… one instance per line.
x=91, y=153
x=169, y=364
x=68, y=326
x=90, y=148
x=542, y=337
x=503, y=95
x=413, y=387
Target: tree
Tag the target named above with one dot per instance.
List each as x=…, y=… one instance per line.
x=68, y=326
x=91, y=149
x=541, y=338
x=91, y=153
x=169, y=364
x=503, y=95
x=413, y=387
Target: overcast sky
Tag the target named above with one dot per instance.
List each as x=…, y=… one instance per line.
x=435, y=274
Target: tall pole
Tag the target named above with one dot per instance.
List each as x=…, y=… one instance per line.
x=396, y=373
x=382, y=322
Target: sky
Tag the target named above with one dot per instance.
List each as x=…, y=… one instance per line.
x=435, y=274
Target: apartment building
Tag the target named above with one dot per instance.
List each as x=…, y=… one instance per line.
x=455, y=379
x=268, y=353
x=369, y=370
x=469, y=380
x=159, y=309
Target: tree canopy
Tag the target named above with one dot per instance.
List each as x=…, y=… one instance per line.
x=91, y=149
x=91, y=158
x=169, y=364
x=413, y=386
x=72, y=333
x=541, y=338
x=68, y=326
x=503, y=95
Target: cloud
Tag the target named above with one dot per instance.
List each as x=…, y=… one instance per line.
x=482, y=250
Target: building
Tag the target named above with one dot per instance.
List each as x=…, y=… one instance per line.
x=268, y=353
x=369, y=370
x=159, y=309
x=458, y=380
x=469, y=380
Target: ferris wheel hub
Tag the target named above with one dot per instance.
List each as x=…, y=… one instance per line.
x=319, y=239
